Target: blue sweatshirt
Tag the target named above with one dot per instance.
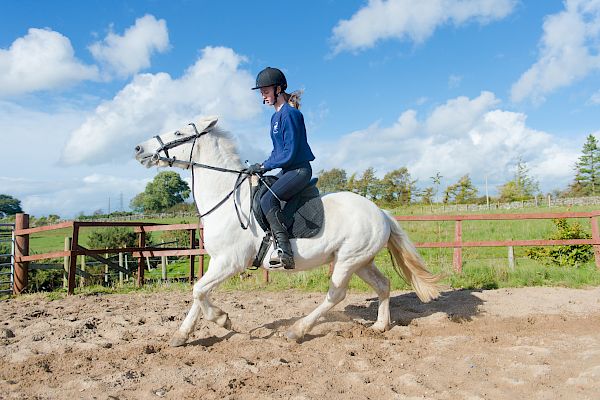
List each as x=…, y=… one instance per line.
x=290, y=146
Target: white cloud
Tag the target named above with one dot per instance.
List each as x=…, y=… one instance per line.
x=454, y=81
x=414, y=20
x=40, y=134
x=462, y=136
x=595, y=98
x=153, y=103
x=129, y=53
x=458, y=115
x=41, y=60
x=568, y=51
x=33, y=140
x=71, y=196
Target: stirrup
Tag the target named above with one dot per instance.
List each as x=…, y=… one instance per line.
x=276, y=261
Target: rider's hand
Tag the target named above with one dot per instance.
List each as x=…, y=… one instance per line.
x=255, y=169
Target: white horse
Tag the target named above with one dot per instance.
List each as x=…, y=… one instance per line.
x=354, y=231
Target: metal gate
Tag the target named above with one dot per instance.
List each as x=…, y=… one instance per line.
x=7, y=258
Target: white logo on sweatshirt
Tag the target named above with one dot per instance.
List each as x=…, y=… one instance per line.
x=276, y=127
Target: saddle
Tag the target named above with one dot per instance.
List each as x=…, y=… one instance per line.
x=303, y=215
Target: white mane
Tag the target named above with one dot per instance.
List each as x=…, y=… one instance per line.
x=224, y=149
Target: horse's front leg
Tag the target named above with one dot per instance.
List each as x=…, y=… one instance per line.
x=219, y=269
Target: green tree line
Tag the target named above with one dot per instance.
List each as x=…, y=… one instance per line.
x=398, y=188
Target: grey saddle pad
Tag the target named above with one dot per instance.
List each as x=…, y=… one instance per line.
x=303, y=214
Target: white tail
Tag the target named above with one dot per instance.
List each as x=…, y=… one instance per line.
x=409, y=264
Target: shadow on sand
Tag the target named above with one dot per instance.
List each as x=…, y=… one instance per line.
x=459, y=305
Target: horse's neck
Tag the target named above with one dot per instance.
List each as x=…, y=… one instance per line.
x=210, y=187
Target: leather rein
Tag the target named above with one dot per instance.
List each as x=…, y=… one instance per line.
x=242, y=175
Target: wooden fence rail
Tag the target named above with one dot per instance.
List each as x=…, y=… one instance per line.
x=23, y=258
x=458, y=244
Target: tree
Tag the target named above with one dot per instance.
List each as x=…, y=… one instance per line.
x=332, y=181
x=41, y=221
x=461, y=192
x=397, y=186
x=587, y=170
x=112, y=238
x=427, y=195
x=166, y=190
x=569, y=255
x=437, y=180
x=368, y=185
x=9, y=205
x=351, y=184
x=522, y=187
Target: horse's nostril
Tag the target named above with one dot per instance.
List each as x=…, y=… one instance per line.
x=138, y=149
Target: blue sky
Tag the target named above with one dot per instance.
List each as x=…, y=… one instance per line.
x=456, y=87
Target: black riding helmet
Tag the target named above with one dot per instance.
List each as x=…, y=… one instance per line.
x=270, y=77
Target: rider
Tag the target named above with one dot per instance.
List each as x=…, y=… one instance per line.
x=291, y=153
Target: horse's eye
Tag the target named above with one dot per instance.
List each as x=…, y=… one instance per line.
x=177, y=133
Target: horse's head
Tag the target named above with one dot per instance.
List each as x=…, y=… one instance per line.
x=163, y=149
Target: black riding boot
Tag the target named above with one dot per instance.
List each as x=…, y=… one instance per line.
x=282, y=240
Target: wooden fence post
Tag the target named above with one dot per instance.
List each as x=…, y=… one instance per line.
x=106, y=270
x=201, y=258
x=163, y=267
x=73, y=260
x=596, y=237
x=127, y=268
x=82, y=278
x=192, y=257
x=457, y=259
x=121, y=265
x=21, y=250
x=511, y=258
x=141, y=243
x=66, y=263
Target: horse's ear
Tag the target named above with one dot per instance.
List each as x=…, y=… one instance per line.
x=207, y=123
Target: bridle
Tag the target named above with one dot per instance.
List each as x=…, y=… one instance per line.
x=242, y=175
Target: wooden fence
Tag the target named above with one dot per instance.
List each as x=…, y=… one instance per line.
x=23, y=258
x=22, y=232
x=458, y=244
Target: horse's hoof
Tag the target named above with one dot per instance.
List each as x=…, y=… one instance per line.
x=380, y=328
x=177, y=340
x=291, y=335
x=224, y=321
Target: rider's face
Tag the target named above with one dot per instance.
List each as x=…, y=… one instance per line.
x=268, y=94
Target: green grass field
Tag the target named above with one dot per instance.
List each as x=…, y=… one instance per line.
x=483, y=268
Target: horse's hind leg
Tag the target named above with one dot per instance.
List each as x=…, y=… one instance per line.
x=337, y=292
x=374, y=278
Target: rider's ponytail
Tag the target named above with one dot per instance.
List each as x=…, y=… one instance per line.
x=293, y=99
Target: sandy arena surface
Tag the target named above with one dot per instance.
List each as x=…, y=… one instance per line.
x=531, y=343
